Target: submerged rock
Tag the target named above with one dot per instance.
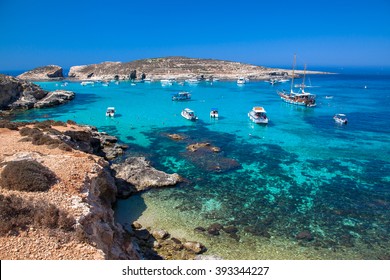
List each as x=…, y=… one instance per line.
x=211, y=161
x=195, y=147
x=214, y=229
x=304, y=235
x=176, y=136
x=138, y=172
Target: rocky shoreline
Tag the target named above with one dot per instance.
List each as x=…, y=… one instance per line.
x=18, y=94
x=175, y=67
x=85, y=187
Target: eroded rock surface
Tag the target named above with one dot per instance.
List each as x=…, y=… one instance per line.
x=48, y=72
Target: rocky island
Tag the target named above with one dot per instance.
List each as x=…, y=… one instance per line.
x=176, y=67
x=49, y=72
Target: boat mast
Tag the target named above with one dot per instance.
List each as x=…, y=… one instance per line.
x=303, y=81
x=293, y=69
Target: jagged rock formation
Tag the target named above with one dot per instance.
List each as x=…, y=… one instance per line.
x=136, y=174
x=173, y=67
x=50, y=72
x=20, y=94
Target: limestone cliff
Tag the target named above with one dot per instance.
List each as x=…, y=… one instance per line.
x=20, y=94
x=173, y=67
x=50, y=72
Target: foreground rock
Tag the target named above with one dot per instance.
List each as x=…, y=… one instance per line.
x=50, y=72
x=84, y=190
x=136, y=174
x=20, y=94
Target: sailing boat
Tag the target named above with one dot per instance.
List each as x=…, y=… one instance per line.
x=301, y=97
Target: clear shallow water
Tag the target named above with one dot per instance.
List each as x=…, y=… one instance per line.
x=300, y=172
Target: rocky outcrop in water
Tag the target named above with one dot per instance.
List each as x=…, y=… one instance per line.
x=55, y=98
x=50, y=72
x=136, y=174
x=21, y=94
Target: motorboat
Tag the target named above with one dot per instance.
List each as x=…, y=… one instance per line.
x=241, y=80
x=192, y=81
x=258, y=115
x=274, y=81
x=340, y=118
x=189, y=114
x=166, y=82
x=214, y=113
x=181, y=96
x=110, y=112
x=86, y=83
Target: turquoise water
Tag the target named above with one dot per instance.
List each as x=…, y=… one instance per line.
x=301, y=172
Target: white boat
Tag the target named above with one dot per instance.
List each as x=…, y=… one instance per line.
x=181, y=96
x=258, y=115
x=192, y=81
x=274, y=81
x=340, y=118
x=301, y=98
x=241, y=80
x=86, y=83
x=189, y=114
x=147, y=80
x=110, y=112
x=214, y=113
x=166, y=82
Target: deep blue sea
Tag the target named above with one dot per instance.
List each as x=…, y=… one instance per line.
x=302, y=174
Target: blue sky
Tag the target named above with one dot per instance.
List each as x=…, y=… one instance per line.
x=321, y=33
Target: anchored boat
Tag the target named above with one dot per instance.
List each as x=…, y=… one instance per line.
x=301, y=98
x=258, y=115
x=189, y=114
x=181, y=96
x=340, y=118
x=214, y=113
x=110, y=112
